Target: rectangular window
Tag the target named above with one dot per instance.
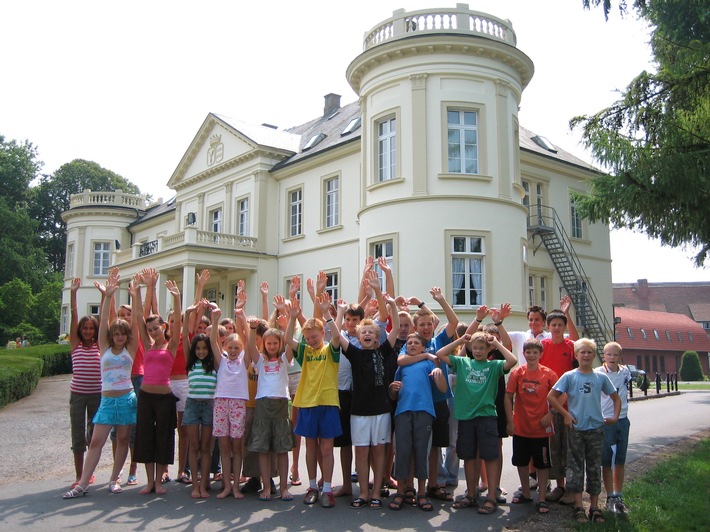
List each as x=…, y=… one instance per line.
x=243, y=217
x=331, y=285
x=331, y=199
x=94, y=310
x=102, y=256
x=467, y=256
x=387, y=149
x=216, y=221
x=575, y=219
x=531, y=290
x=64, y=325
x=462, y=129
x=383, y=249
x=69, y=268
x=537, y=289
x=295, y=206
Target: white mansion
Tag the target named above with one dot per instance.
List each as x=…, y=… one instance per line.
x=429, y=169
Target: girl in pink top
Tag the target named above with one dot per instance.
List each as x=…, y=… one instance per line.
x=85, y=386
x=157, y=418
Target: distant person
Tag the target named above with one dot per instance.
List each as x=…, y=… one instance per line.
x=25, y=341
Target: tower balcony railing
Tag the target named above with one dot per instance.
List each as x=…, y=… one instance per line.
x=89, y=198
x=458, y=20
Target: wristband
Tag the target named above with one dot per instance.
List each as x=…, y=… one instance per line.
x=328, y=321
x=420, y=305
x=479, y=321
x=497, y=323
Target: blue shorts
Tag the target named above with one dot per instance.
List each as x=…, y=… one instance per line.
x=119, y=410
x=198, y=412
x=616, y=434
x=319, y=422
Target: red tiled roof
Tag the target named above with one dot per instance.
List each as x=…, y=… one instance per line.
x=674, y=331
x=663, y=297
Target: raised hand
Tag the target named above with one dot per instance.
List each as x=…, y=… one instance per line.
x=321, y=281
x=172, y=288
x=436, y=294
x=241, y=301
x=75, y=284
x=264, y=289
x=294, y=286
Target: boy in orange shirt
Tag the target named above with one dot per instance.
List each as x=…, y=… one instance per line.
x=530, y=422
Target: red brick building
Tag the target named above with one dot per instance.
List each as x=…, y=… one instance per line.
x=655, y=341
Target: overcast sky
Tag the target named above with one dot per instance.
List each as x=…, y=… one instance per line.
x=127, y=84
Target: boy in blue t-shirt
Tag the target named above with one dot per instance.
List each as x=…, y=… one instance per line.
x=584, y=418
x=412, y=387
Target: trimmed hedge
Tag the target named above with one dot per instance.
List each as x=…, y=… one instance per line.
x=21, y=369
x=19, y=377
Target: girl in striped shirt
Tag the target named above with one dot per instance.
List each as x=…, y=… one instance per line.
x=197, y=418
x=85, y=386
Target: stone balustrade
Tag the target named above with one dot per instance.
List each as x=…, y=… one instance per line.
x=458, y=20
x=89, y=198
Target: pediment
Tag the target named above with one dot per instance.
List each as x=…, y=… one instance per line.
x=216, y=146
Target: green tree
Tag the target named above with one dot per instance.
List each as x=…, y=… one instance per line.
x=16, y=302
x=690, y=369
x=51, y=197
x=18, y=167
x=655, y=140
x=20, y=249
x=46, y=308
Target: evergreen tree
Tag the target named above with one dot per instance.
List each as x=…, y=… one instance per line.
x=690, y=369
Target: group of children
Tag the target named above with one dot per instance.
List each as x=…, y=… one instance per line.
x=362, y=375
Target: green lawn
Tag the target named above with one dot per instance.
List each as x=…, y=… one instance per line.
x=673, y=496
x=693, y=385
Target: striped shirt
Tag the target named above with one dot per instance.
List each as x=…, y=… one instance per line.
x=201, y=384
x=86, y=369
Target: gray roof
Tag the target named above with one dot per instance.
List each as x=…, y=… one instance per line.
x=527, y=143
x=265, y=136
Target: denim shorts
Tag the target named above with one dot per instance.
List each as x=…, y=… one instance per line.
x=198, y=412
x=616, y=434
x=119, y=410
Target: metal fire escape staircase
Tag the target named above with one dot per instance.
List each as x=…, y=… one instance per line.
x=544, y=222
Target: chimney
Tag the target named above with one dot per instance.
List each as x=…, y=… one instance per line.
x=332, y=104
x=643, y=294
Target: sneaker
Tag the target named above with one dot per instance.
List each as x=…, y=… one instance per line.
x=611, y=503
x=500, y=496
x=253, y=485
x=353, y=478
x=327, y=500
x=311, y=496
x=620, y=506
x=273, y=487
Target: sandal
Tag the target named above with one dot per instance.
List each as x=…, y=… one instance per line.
x=424, y=503
x=580, y=515
x=542, y=507
x=410, y=495
x=556, y=494
x=359, y=503
x=375, y=504
x=465, y=502
x=184, y=479
x=439, y=493
x=76, y=491
x=295, y=481
x=132, y=480
x=519, y=498
x=488, y=507
x=115, y=487
x=595, y=516
x=396, y=502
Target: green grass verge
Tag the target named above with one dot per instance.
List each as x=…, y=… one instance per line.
x=693, y=386
x=21, y=369
x=673, y=496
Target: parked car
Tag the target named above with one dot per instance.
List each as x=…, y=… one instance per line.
x=638, y=376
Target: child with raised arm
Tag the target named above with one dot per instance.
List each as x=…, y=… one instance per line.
x=425, y=325
x=476, y=388
x=530, y=421
x=585, y=421
x=558, y=355
x=85, y=385
x=118, y=342
x=413, y=389
x=271, y=431
x=618, y=433
x=231, y=394
x=199, y=405
x=317, y=395
x=373, y=366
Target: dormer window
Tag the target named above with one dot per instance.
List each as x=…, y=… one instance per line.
x=352, y=126
x=544, y=143
x=315, y=139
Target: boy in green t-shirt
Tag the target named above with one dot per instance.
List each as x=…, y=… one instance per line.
x=475, y=409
